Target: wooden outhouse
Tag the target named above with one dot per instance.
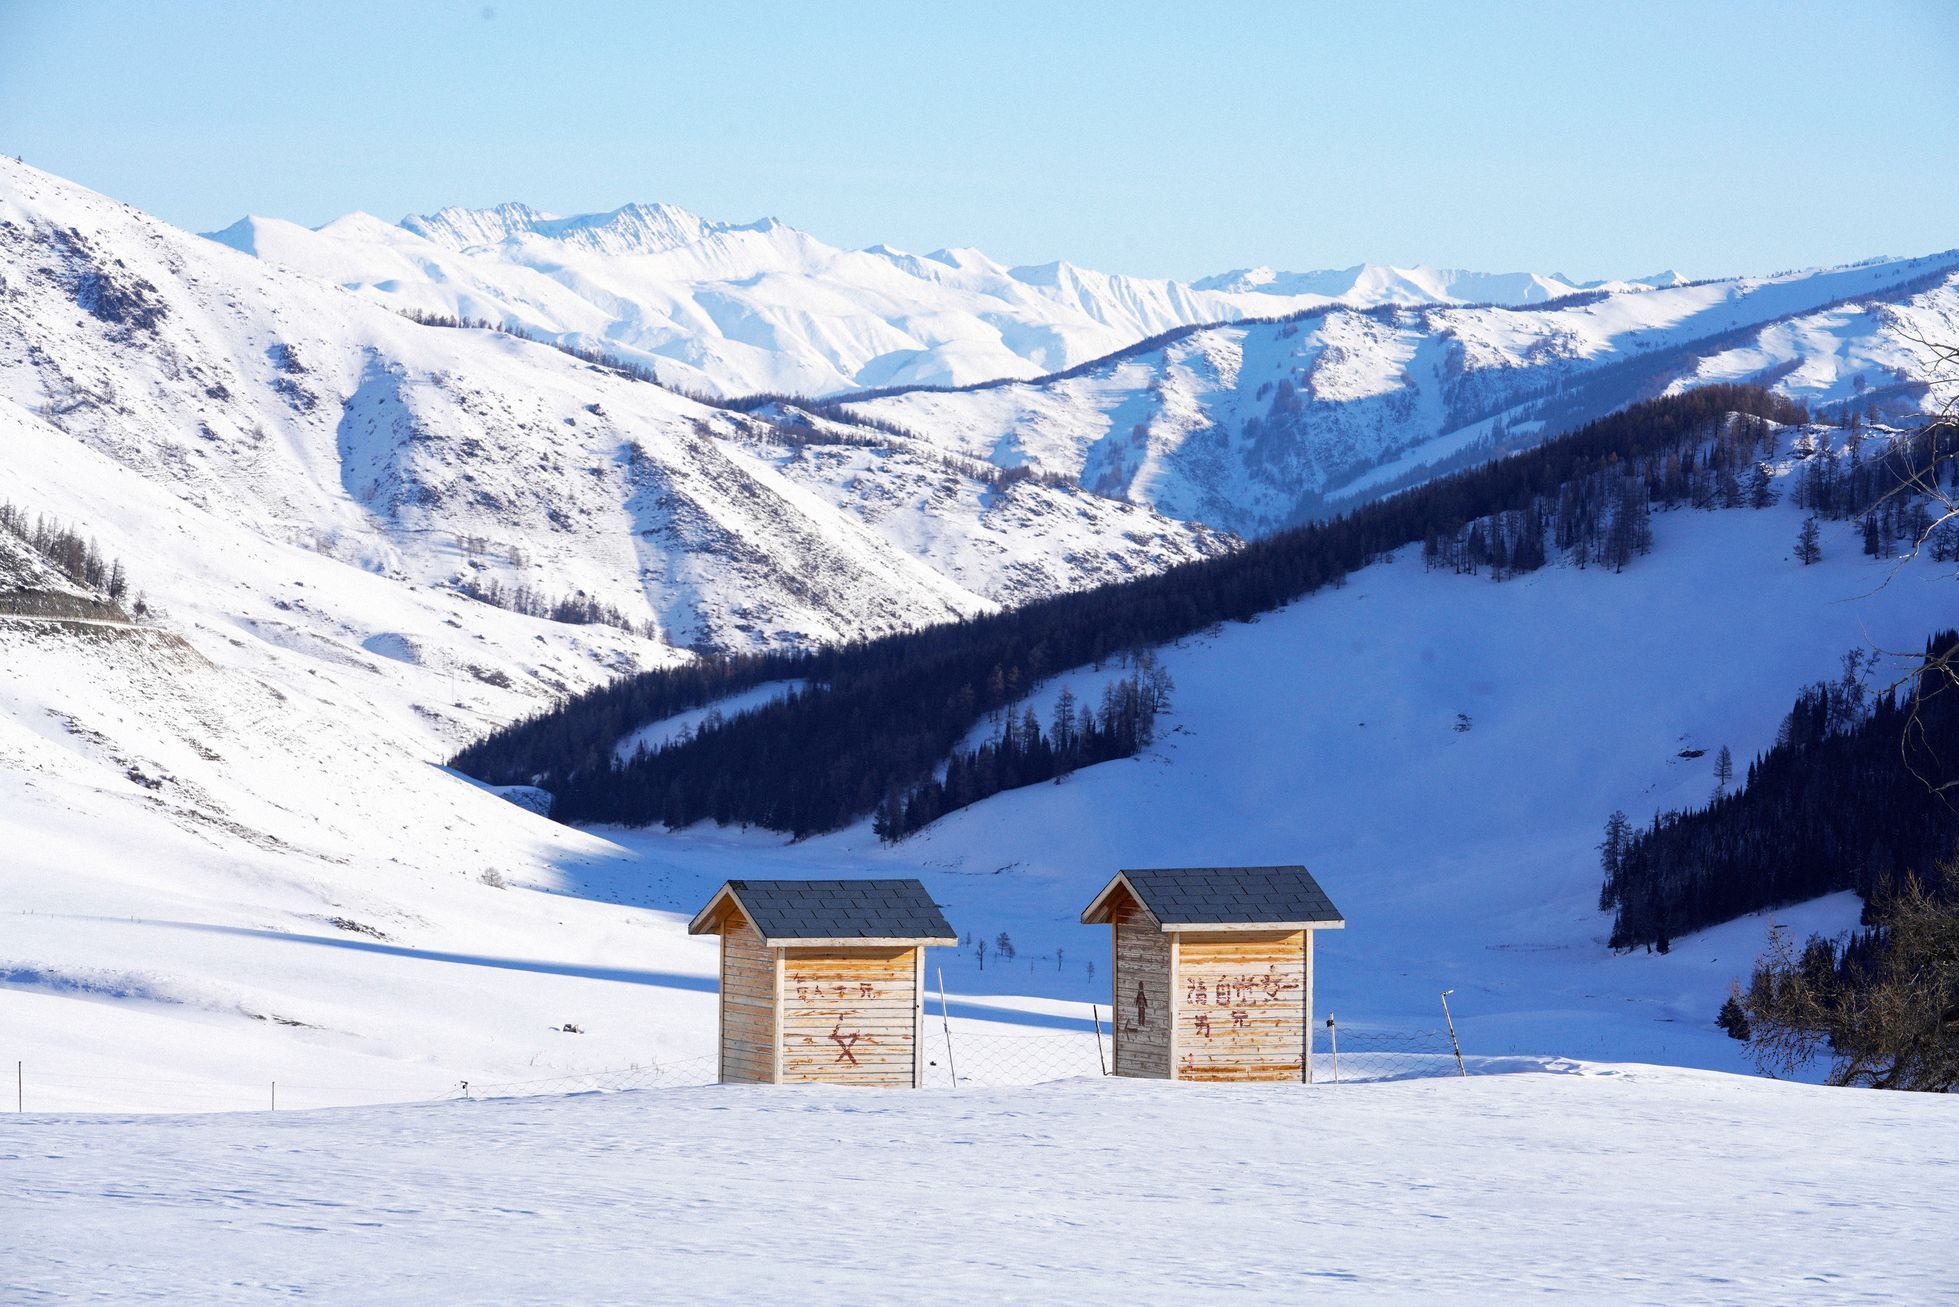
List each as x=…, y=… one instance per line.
x=822, y=980
x=1213, y=970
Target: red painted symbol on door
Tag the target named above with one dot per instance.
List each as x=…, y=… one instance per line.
x=843, y=1043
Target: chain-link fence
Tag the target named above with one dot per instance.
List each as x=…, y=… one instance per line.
x=1341, y=1053
x=981, y=1058
x=681, y=1074
x=952, y=1055
x=1351, y=1053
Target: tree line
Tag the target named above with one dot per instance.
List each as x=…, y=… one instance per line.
x=1848, y=798
x=1079, y=735
x=71, y=554
x=879, y=716
x=577, y=610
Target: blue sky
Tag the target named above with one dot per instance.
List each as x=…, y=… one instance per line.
x=1174, y=140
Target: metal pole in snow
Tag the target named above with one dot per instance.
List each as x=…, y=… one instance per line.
x=20, y=1091
x=946, y=1021
x=275, y=1095
x=1095, y=1011
x=1452, y=1031
x=1333, y=1038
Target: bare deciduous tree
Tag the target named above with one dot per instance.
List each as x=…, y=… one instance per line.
x=1888, y=1017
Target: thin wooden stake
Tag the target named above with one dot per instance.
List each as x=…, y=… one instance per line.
x=1452, y=1031
x=1095, y=1011
x=946, y=1021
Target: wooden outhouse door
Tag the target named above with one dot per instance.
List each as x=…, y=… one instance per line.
x=851, y=1015
x=1244, y=1005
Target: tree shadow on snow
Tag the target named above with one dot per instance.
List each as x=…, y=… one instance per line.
x=621, y=975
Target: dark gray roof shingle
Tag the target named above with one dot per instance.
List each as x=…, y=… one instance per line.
x=1231, y=896
x=841, y=909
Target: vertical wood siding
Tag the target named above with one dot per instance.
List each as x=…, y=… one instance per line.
x=748, y=1004
x=1242, y=1005
x=1142, y=995
x=849, y=1015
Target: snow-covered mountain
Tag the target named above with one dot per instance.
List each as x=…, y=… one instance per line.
x=229, y=855
x=764, y=307
x=1368, y=284
x=462, y=458
x=1378, y=374
x=1251, y=426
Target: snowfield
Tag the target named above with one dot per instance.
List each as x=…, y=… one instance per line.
x=1604, y=1183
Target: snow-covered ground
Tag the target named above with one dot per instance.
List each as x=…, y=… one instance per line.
x=1600, y=1182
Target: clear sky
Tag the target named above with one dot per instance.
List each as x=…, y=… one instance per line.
x=1590, y=138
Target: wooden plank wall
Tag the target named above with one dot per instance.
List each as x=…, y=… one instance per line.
x=1242, y=1005
x=1142, y=994
x=748, y=1004
x=849, y=1015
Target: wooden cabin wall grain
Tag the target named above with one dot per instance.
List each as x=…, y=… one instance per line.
x=1142, y=994
x=748, y=1004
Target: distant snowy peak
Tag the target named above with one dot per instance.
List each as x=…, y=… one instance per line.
x=630, y=229
x=763, y=307
x=1369, y=284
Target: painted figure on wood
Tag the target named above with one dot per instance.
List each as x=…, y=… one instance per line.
x=845, y=1042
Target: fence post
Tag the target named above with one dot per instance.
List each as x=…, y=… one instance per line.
x=1333, y=1039
x=1095, y=1011
x=1452, y=1031
x=275, y=1095
x=945, y=1021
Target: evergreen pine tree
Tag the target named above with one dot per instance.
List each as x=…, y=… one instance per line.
x=1808, y=546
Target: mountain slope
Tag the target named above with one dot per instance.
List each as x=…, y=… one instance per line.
x=1254, y=426
x=462, y=458
x=763, y=307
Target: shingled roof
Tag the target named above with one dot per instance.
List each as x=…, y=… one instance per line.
x=1195, y=898
x=834, y=911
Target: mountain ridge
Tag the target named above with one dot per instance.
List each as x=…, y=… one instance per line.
x=732, y=308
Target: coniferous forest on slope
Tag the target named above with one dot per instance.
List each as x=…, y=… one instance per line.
x=869, y=723
x=1850, y=797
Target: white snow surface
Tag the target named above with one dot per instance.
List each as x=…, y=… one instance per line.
x=1599, y=1182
